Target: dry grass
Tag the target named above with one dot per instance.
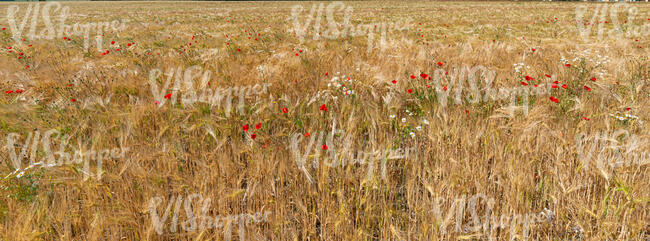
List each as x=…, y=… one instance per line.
x=526, y=163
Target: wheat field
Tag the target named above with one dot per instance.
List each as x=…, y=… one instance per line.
x=324, y=121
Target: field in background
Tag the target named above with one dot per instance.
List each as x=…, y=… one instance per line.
x=248, y=158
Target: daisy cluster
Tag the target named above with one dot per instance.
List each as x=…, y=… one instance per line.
x=342, y=84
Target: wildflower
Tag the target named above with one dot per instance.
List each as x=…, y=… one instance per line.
x=412, y=134
x=394, y=81
x=307, y=134
x=9, y=91
x=18, y=91
x=524, y=83
x=392, y=116
x=323, y=107
x=253, y=136
x=167, y=96
x=324, y=147
x=565, y=86
x=593, y=78
x=587, y=88
x=567, y=65
x=585, y=118
x=259, y=125
x=554, y=99
x=440, y=63
x=419, y=128
x=412, y=76
x=245, y=127
x=424, y=76
x=403, y=120
x=410, y=91
x=285, y=110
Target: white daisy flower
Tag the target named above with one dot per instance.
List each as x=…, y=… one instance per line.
x=419, y=128
x=392, y=116
x=412, y=134
x=20, y=174
x=403, y=120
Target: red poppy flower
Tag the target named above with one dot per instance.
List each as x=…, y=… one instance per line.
x=444, y=88
x=527, y=77
x=567, y=65
x=253, y=136
x=593, y=78
x=424, y=76
x=238, y=50
x=324, y=147
x=307, y=134
x=410, y=91
x=585, y=118
x=440, y=63
x=554, y=99
x=323, y=107
x=467, y=111
x=259, y=125
x=394, y=81
x=327, y=73
x=285, y=110
x=554, y=86
x=73, y=100
x=628, y=108
x=533, y=50
x=524, y=83
x=167, y=96
x=112, y=42
x=18, y=91
x=245, y=127
x=587, y=88
x=565, y=87
x=9, y=91
x=547, y=75
x=413, y=77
